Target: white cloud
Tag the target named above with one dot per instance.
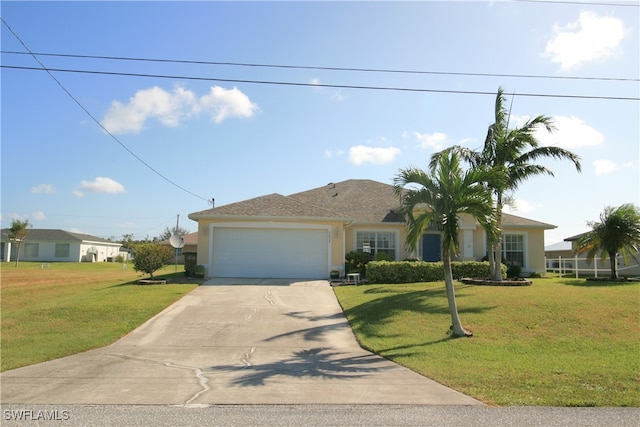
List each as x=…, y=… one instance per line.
x=78, y=193
x=435, y=140
x=377, y=155
x=222, y=104
x=571, y=132
x=590, y=38
x=171, y=108
x=43, y=189
x=606, y=167
x=101, y=185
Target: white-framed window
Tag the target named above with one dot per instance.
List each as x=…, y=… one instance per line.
x=513, y=249
x=62, y=250
x=377, y=242
x=31, y=250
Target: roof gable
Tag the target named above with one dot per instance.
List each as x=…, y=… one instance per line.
x=361, y=199
x=512, y=221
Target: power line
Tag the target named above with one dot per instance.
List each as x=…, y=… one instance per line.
x=49, y=72
x=314, y=67
x=324, y=85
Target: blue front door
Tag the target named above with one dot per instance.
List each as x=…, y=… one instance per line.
x=431, y=247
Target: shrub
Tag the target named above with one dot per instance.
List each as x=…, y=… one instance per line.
x=381, y=256
x=149, y=257
x=356, y=262
x=514, y=271
x=421, y=271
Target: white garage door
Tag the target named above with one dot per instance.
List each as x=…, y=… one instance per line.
x=270, y=252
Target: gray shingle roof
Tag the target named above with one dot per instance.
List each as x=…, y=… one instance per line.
x=509, y=220
x=272, y=205
x=51, y=235
x=362, y=200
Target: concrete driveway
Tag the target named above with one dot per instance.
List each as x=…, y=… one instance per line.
x=250, y=342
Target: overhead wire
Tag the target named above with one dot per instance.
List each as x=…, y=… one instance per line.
x=323, y=85
x=315, y=67
x=82, y=107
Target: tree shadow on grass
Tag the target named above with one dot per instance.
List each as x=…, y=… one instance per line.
x=604, y=283
x=390, y=352
x=367, y=316
x=317, y=362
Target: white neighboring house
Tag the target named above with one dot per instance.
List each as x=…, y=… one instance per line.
x=59, y=246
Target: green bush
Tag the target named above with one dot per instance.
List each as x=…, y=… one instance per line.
x=149, y=257
x=356, y=262
x=514, y=271
x=421, y=271
x=381, y=256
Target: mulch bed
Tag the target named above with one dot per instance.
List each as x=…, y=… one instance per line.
x=488, y=282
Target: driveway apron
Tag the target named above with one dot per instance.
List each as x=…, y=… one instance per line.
x=266, y=343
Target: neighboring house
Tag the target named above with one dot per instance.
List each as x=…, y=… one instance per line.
x=572, y=261
x=557, y=253
x=307, y=234
x=59, y=246
x=190, y=246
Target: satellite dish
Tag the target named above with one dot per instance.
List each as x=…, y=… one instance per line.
x=176, y=241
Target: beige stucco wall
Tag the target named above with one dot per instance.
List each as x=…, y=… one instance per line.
x=534, y=242
x=343, y=240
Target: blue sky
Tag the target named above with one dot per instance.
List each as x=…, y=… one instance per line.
x=231, y=139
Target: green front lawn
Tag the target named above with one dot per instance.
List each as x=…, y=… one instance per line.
x=559, y=342
x=68, y=308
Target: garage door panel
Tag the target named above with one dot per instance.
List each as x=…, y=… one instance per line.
x=258, y=252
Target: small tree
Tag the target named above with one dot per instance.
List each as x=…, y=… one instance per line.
x=617, y=232
x=440, y=198
x=149, y=257
x=17, y=233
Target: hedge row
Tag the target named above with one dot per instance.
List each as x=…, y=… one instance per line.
x=421, y=271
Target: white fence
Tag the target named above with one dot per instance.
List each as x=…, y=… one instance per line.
x=579, y=267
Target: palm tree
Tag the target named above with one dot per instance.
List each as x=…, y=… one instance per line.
x=617, y=232
x=438, y=198
x=17, y=233
x=512, y=153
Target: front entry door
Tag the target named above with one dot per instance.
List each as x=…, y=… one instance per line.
x=431, y=247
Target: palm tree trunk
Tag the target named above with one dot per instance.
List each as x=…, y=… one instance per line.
x=496, y=273
x=456, y=326
x=492, y=260
x=614, y=267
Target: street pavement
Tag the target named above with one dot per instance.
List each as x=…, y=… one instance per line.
x=314, y=415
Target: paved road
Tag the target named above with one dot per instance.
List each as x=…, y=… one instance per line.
x=315, y=415
x=232, y=344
